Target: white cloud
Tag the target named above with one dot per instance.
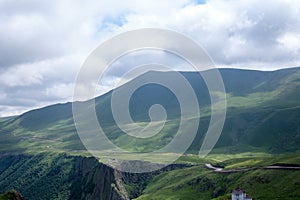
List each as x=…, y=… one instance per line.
x=235, y=32
x=290, y=42
x=61, y=91
x=12, y=110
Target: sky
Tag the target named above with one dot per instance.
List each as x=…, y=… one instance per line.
x=44, y=43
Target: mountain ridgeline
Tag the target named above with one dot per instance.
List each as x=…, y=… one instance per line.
x=263, y=111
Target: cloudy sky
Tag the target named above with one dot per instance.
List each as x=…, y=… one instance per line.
x=44, y=43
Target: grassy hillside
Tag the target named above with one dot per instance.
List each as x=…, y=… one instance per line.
x=263, y=112
x=200, y=183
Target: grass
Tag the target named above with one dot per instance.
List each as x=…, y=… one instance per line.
x=164, y=185
x=200, y=183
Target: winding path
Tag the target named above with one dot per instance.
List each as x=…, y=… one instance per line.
x=276, y=166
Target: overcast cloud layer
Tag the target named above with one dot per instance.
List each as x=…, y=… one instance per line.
x=44, y=43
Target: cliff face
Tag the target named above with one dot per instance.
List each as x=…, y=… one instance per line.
x=94, y=180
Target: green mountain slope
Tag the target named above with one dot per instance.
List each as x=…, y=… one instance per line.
x=263, y=111
x=200, y=183
x=196, y=183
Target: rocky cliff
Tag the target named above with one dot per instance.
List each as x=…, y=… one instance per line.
x=94, y=180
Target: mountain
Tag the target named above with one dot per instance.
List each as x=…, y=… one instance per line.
x=263, y=112
x=42, y=156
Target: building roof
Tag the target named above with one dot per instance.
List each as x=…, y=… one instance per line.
x=238, y=190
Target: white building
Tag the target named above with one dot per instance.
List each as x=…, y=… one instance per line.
x=239, y=194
